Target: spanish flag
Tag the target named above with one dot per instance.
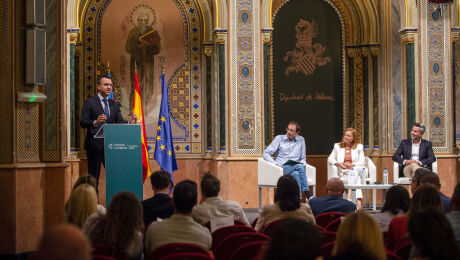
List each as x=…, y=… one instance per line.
x=137, y=109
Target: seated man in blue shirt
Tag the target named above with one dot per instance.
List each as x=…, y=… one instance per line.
x=290, y=147
x=333, y=202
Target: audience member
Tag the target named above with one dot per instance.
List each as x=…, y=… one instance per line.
x=454, y=215
x=397, y=202
x=433, y=179
x=415, y=181
x=180, y=227
x=293, y=239
x=213, y=205
x=333, y=202
x=287, y=204
x=431, y=235
x=160, y=205
x=64, y=242
x=89, y=179
x=81, y=204
x=359, y=237
x=121, y=229
x=425, y=197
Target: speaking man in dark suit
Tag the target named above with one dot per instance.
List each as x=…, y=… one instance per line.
x=96, y=111
x=415, y=152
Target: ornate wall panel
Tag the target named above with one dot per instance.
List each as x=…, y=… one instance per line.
x=185, y=84
x=246, y=127
x=436, y=74
x=6, y=81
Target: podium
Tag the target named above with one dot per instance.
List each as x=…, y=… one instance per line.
x=123, y=159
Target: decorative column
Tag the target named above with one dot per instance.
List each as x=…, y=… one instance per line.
x=222, y=97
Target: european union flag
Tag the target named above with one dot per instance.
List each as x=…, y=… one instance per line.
x=164, y=149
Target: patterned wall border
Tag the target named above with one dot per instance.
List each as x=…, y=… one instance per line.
x=193, y=29
x=436, y=71
x=245, y=93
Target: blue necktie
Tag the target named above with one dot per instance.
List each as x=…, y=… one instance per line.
x=106, y=108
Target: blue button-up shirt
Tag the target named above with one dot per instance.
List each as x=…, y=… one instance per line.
x=285, y=149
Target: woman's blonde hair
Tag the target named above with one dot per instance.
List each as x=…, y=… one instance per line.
x=360, y=235
x=356, y=138
x=81, y=204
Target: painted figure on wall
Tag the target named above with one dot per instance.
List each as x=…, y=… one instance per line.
x=143, y=43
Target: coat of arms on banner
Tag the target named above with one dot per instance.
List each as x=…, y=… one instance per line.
x=306, y=56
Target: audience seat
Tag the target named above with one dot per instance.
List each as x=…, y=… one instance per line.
x=105, y=250
x=325, y=218
x=188, y=256
x=270, y=227
x=334, y=225
x=327, y=236
x=173, y=248
x=235, y=222
x=225, y=249
x=102, y=257
x=223, y=232
x=333, y=172
x=268, y=175
x=392, y=256
x=320, y=228
x=326, y=249
x=404, y=180
x=248, y=251
x=254, y=223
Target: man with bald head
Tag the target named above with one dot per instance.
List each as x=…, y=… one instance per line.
x=64, y=241
x=333, y=202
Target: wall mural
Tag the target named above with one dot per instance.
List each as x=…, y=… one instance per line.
x=307, y=72
x=135, y=34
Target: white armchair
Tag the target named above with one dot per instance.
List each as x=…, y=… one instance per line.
x=268, y=175
x=405, y=180
x=333, y=172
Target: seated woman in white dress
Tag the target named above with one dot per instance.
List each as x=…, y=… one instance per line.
x=346, y=155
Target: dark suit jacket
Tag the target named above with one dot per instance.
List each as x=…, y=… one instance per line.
x=159, y=206
x=404, y=152
x=92, y=108
x=331, y=203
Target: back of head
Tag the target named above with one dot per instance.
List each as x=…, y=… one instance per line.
x=85, y=179
x=432, y=235
x=335, y=186
x=430, y=178
x=360, y=235
x=293, y=239
x=287, y=193
x=210, y=185
x=185, y=196
x=64, y=241
x=397, y=198
x=160, y=180
x=426, y=196
x=124, y=218
x=82, y=203
x=455, y=200
x=418, y=174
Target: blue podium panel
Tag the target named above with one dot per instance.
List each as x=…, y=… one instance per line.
x=123, y=159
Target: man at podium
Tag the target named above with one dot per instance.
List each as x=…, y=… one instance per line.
x=98, y=110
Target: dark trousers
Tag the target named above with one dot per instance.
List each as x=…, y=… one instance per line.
x=95, y=158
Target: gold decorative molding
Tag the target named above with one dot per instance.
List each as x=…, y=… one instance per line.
x=221, y=37
x=207, y=50
x=375, y=51
x=358, y=90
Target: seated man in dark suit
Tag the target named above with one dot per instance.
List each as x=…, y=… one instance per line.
x=333, y=202
x=415, y=152
x=160, y=205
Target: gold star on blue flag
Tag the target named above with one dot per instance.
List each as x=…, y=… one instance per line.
x=164, y=148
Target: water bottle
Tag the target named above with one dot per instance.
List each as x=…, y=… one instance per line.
x=351, y=176
x=363, y=176
x=385, y=176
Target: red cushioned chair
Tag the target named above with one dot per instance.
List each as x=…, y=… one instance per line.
x=326, y=249
x=248, y=251
x=187, y=256
x=253, y=224
x=225, y=249
x=174, y=248
x=103, y=257
x=270, y=227
x=320, y=228
x=105, y=250
x=221, y=233
x=334, y=225
x=238, y=223
x=327, y=236
x=326, y=218
x=392, y=256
